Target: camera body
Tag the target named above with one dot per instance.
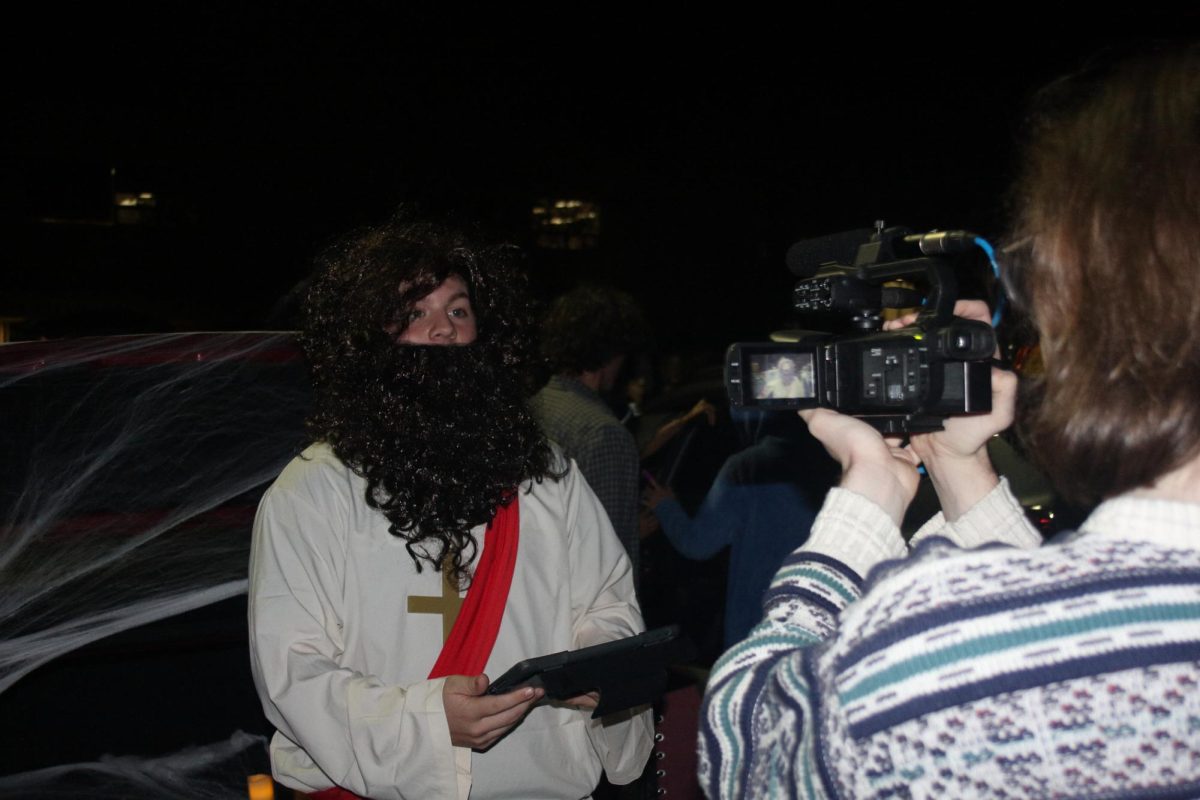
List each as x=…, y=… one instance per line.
x=902, y=381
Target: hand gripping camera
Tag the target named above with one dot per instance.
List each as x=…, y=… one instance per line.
x=901, y=381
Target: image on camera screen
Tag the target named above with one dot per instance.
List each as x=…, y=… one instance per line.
x=779, y=376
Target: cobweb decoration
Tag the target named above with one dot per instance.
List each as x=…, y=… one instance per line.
x=130, y=469
x=216, y=771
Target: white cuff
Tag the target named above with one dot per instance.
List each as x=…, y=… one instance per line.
x=855, y=531
x=996, y=518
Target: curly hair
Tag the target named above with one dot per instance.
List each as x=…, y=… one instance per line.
x=588, y=326
x=1106, y=242
x=442, y=434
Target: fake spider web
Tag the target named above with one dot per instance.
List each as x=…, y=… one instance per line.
x=130, y=468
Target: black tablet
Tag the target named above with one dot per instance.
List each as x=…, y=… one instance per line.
x=626, y=672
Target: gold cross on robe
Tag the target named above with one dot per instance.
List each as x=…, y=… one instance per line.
x=448, y=604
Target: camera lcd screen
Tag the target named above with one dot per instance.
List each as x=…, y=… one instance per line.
x=782, y=375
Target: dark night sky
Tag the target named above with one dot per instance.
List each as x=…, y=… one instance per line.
x=709, y=144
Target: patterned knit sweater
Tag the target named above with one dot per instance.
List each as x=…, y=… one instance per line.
x=1065, y=671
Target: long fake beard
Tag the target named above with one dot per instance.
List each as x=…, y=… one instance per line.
x=444, y=438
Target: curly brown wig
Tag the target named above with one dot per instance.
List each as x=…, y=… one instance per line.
x=442, y=434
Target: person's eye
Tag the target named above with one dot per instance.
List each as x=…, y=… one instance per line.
x=415, y=314
x=462, y=312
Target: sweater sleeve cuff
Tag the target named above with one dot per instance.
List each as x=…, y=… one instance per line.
x=934, y=526
x=855, y=531
x=998, y=517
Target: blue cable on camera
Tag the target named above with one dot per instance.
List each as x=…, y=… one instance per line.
x=990, y=251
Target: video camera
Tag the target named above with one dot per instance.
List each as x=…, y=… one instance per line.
x=902, y=381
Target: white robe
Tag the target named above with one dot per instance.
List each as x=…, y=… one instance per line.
x=800, y=387
x=341, y=665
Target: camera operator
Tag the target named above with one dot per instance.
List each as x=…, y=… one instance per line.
x=1069, y=670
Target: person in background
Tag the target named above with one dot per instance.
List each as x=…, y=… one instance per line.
x=760, y=506
x=586, y=337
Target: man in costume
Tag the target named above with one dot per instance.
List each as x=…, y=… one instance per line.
x=788, y=382
x=586, y=338
x=428, y=479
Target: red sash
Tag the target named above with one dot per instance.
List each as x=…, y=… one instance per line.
x=474, y=633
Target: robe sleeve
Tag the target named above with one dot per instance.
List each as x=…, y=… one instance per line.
x=603, y=608
x=338, y=726
x=611, y=459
